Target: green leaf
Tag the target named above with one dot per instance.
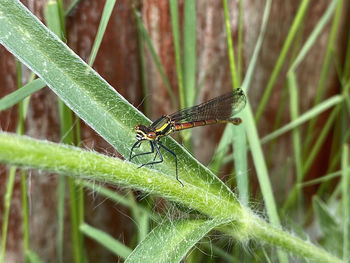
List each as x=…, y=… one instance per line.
x=325, y=105
x=170, y=241
x=89, y=96
x=106, y=240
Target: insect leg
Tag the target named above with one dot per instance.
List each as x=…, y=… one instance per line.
x=154, y=145
x=139, y=154
x=171, y=152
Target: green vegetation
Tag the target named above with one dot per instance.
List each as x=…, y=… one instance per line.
x=207, y=203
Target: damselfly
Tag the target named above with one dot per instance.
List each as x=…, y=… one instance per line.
x=218, y=110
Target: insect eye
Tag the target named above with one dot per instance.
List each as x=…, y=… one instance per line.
x=151, y=135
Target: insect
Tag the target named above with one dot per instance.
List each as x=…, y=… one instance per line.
x=217, y=110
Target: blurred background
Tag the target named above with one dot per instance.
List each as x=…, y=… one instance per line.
x=125, y=60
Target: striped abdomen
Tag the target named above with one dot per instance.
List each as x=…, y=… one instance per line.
x=192, y=124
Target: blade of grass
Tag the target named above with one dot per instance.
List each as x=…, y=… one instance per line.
x=107, y=11
x=20, y=94
x=252, y=63
x=262, y=173
x=156, y=59
x=240, y=41
x=22, y=111
x=106, y=240
x=320, y=139
x=11, y=182
x=71, y=7
x=321, y=24
x=230, y=49
x=190, y=52
x=281, y=58
x=183, y=90
x=221, y=150
x=322, y=179
x=238, y=139
x=260, y=166
x=217, y=161
x=325, y=105
x=6, y=213
x=345, y=201
x=239, y=142
x=176, y=36
x=294, y=111
x=325, y=69
x=143, y=73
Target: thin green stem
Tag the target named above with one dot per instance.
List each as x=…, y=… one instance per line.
x=230, y=47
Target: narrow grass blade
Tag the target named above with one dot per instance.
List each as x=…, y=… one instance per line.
x=260, y=166
x=262, y=173
x=230, y=49
x=240, y=41
x=252, y=63
x=281, y=59
x=107, y=11
x=314, y=35
x=320, y=139
x=345, y=182
x=189, y=52
x=324, y=75
x=117, y=198
x=240, y=161
x=106, y=240
x=221, y=150
x=156, y=59
x=20, y=94
x=6, y=213
x=180, y=236
x=325, y=105
x=71, y=7
x=294, y=111
x=176, y=36
x=143, y=72
x=238, y=137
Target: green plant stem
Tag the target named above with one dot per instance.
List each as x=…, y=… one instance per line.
x=6, y=214
x=30, y=153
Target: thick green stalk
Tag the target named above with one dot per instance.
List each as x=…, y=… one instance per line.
x=30, y=153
